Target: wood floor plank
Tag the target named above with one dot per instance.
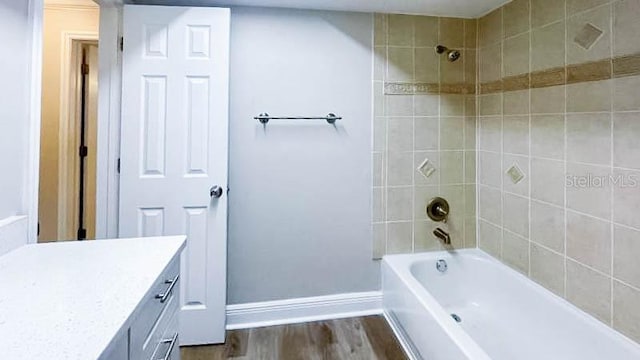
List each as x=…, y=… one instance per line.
x=381, y=337
x=365, y=338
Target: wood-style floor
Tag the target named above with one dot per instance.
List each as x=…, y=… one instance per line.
x=365, y=338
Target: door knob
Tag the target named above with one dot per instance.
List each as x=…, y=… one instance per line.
x=215, y=191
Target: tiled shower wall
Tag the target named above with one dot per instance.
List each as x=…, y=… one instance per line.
x=425, y=109
x=559, y=103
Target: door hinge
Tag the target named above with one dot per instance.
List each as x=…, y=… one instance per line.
x=122, y=43
x=82, y=234
x=84, y=151
x=118, y=166
x=85, y=69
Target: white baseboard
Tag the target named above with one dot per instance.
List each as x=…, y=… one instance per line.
x=14, y=232
x=291, y=311
x=401, y=336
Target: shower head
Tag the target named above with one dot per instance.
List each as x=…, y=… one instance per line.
x=452, y=55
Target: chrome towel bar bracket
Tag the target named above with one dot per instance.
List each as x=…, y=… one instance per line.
x=330, y=118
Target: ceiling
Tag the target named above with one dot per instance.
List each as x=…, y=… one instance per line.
x=453, y=8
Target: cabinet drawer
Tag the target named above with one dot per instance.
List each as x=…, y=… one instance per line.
x=154, y=313
x=168, y=345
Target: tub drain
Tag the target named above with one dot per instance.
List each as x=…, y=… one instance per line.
x=456, y=318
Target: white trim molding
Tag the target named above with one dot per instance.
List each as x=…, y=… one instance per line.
x=291, y=311
x=35, y=103
x=67, y=135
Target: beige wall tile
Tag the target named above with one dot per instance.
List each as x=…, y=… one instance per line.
x=426, y=133
x=626, y=27
x=451, y=105
x=426, y=31
x=589, y=241
x=470, y=33
x=426, y=105
x=400, y=30
x=589, y=290
x=516, y=214
x=589, y=138
x=490, y=201
x=515, y=252
x=400, y=134
x=589, y=96
x=424, y=238
x=427, y=65
x=379, y=63
x=378, y=98
x=434, y=158
x=546, y=11
x=547, y=136
x=399, y=203
x=516, y=134
x=522, y=162
x=575, y=6
x=455, y=221
x=589, y=189
x=516, y=17
x=490, y=28
x=470, y=124
x=547, y=268
x=547, y=181
x=490, y=238
x=491, y=133
x=470, y=200
x=379, y=133
x=547, y=46
x=469, y=167
x=451, y=32
x=451, y=133
x=400, y=168
x=625, y=93
x=378, y=204
x=626, y=198
x=600, y=18
x=452, y=167
x=516, y=55
x=380, y=29
x=548, y=100
x=626, y=147
x=399, y=237
x=490, y=62
x=547, y=225
x=625, y=256
x=490, y=168
x=516, y=102
x=379, y=240
x=398, y=105
x=470, y=66
x=451, y=72
x=490, y=104
x=470, y=238
x=378, y=166
x=626, y=310
x=400, y=64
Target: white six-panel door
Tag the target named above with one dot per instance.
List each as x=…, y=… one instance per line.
x=174, y=149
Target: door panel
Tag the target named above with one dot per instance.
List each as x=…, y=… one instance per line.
x=174, y=148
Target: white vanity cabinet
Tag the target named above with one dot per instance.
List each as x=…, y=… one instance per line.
x=105, y=299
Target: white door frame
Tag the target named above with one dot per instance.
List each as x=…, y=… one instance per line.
x=68, y=131
x=108, y=118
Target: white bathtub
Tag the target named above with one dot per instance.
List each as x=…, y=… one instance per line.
x=504, y=315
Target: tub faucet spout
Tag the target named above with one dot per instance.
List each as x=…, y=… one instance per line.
x=442, y=235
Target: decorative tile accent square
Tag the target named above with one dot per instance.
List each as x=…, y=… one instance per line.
x=588, y=36
x=515, y=174
x=426, y=168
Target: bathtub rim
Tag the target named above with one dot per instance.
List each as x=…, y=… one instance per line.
x=401, y=265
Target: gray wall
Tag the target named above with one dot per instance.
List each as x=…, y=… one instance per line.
x=15, y=59
x=300, y=203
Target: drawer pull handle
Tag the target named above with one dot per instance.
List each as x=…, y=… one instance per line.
x=172, y=343
x=172, y=282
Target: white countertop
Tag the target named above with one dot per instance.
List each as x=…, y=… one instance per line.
x=68, y=300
